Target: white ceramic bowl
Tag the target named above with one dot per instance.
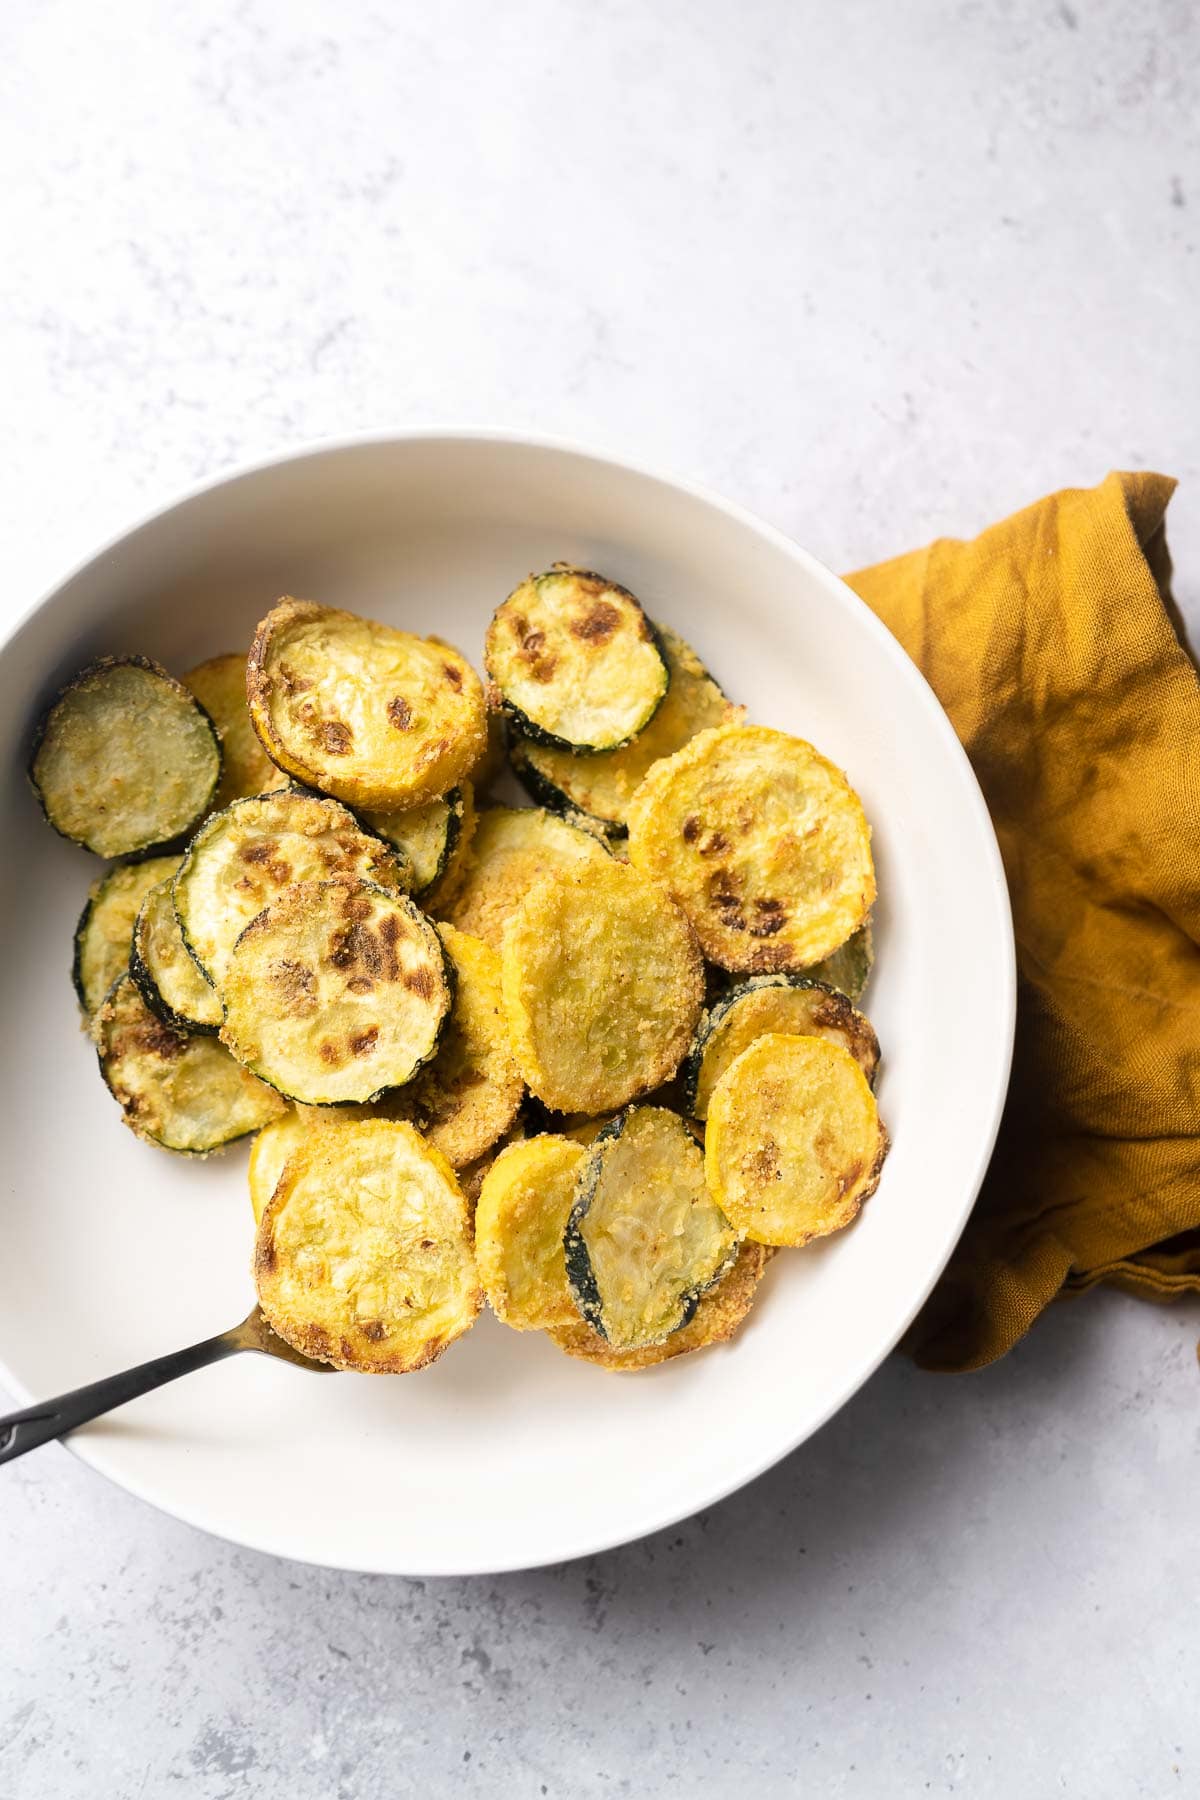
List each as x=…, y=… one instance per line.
x=506, y=1453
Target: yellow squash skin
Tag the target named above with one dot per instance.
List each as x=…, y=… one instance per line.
x=761, y=841
x=771, y=1003
x=603, y=985
x=268, y=1153
x=512, y=848
x=375, y=716
x=363, y=1255
x=220, y=686
x=721, y=1312
x=524, y=1204
x=574, y=658
x=335, y=993
x=242, y=859
x=794, y=1142
x=91, y=771
x=601, y=786
x=181, y=1092
x=105, y=932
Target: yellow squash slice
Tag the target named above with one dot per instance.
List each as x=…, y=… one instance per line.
x=177, y=1090
x=720, y=1313
x=104, y=934
x=792, y=1004
x=601, y=786
x=165, y=972
x=603, y=986
x=574, y=660
x=125, y=759
x=761, y=841
x=645, y=1237
x=220, y=686
x=375, y=716
x=469, y=1095
x=520, y=1219
x=337, y=992
x=242, y=859
x=268, y=1153
x=363, y=1257
x=512, y=848
x=794, y=1142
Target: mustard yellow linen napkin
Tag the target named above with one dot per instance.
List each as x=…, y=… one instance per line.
x=1049, y=641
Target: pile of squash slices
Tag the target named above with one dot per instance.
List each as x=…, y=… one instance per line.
x=592, y=1060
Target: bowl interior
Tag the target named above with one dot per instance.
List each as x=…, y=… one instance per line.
x=505, y=1453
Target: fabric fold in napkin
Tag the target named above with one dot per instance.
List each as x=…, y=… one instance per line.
x=1051, y=644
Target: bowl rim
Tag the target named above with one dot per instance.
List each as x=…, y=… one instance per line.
x=522, y=439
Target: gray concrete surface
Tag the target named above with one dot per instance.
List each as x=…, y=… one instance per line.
x=879, y=271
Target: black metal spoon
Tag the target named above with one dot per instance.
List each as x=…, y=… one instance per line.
x=50, y=1419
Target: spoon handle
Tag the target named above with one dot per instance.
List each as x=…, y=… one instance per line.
x=49, y=1419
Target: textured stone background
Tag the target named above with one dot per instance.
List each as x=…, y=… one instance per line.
x=878, y=271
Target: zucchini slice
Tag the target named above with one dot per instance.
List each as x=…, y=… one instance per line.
x=377, y=717
x=242, y=858
x=467, y=1097
x=645, y=1237
x=722, y=1310
x=125, y=759
x=848, y=969
x=761, y=841
x=179, y=1091
x=166, y=975
x=792, y=1004
x=574, y=661
x=601, y=786
x=363, y=1256
x=433, y=840
x=512, y=848
x=104, y=933
x=794, y=1143
x=220, y=686
x=520, y=1220
x=603, y=986
x=336, y=992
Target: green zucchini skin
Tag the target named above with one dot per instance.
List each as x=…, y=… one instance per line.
x=221, y=1135
x=148, y=988
x=694, y=700
x=545, y=793
x=718, y=1012
x=93, y=916
x=581, y=1274
x=454, y=824
x=450, y=975
x=143, y=981
x=220, y=821
x=849, y=968
x=99, y=665
x=520, y=722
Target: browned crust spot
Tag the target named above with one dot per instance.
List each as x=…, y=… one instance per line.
x=598, y=623
x=400, y=713
x=334, y=737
